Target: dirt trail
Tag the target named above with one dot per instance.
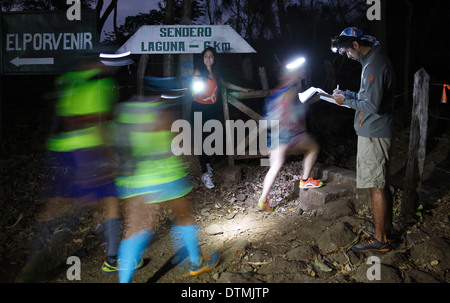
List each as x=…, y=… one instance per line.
x=288, y=245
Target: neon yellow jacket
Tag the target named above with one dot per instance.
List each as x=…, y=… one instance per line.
x=84, y=93
x=146, y=158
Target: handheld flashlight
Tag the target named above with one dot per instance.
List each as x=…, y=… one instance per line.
x=198, y=86
x=295, y=64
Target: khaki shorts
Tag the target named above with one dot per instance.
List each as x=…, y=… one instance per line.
x=372, y=162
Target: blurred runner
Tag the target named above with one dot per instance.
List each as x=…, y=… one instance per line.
x=150, y=178
x=284, y=106
x=81, y=160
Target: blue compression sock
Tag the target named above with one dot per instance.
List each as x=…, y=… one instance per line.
x=112, y=233
x=189, y=236
x=178, y=245
x=130, y=253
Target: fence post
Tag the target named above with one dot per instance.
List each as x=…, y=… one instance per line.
x=228, y=134
x=263, y=78
x=417, y=144
x=143, y=61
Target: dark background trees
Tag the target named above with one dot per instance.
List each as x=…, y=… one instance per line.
x=413, y=31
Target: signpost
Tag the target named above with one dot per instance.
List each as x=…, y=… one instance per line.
x=185, y=39
x=36, y=43
x=44, y=42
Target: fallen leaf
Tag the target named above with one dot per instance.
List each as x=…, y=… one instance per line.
x=17, y=221
x=240, y=254
x=322, y=266
x=257, y=263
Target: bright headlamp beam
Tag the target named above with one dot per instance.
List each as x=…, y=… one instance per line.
x=297, y=63
x=114, y=56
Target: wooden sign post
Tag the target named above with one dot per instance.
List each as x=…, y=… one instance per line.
x=417, y=145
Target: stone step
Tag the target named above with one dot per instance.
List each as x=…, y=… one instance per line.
x=334, y=174
x=316, y=197
x=339, y=183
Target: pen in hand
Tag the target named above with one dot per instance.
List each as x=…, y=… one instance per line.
x=336, y=91
x=338, y=96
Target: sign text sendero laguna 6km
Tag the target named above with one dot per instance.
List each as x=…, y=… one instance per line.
x=44, y=42
x=185, y=39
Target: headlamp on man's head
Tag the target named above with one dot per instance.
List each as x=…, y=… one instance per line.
x=346, y=38
x=336, y=47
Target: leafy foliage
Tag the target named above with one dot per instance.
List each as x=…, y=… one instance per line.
x=30, y=5
x=154, y=17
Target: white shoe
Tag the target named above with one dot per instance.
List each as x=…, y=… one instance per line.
x=206, y=178
x=210, y=170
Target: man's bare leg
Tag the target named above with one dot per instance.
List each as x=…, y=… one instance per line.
x=382, y=213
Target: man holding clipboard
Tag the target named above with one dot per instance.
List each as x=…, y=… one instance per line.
x=373, y=125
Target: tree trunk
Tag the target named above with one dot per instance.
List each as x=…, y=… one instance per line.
x=102, y=19
x=116, y=32
x=169, y=19
x=143, y=61
x=282, y=19
x=187, y=12
x=186, y=64
x=238, y=17
x=408, y=50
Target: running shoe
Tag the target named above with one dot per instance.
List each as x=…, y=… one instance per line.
x=206, y=179
x=370, y=230
x=372, y=245
x=264, y=205
x=207, y=263
x=310, y=183
x=110, y=265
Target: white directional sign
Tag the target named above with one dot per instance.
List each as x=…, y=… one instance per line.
x=185, y=39
x=32, y=61
x=45, y=42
